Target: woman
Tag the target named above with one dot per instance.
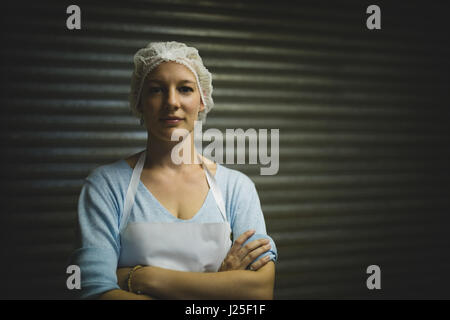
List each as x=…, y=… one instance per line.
x=151, y=228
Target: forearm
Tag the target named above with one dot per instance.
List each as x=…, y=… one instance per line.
x=123, y=293
x=237, y=284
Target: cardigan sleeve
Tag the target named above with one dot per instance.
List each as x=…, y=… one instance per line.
x=99, y=247
x=247, y=214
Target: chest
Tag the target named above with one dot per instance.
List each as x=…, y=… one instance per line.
x=182, y=196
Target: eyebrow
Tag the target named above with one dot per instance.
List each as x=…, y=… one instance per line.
x=181, y=81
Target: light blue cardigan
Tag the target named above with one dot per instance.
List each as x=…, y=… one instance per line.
x=100, y=207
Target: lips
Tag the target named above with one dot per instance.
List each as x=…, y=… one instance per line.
x=171, y=118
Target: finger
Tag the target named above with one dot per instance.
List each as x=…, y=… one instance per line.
x=260, y=263
x=251, y=256
x=241, y=240
x=249, y=247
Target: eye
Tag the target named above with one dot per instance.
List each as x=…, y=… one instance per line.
x=186, y=89
x=154, y=89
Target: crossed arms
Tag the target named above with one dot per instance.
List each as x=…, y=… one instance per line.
x=233, y=281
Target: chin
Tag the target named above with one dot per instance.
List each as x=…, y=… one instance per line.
x=165, y=134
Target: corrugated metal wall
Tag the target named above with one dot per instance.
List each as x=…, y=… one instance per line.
x=363, y=119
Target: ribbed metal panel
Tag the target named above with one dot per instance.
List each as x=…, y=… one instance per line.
x=363, y=118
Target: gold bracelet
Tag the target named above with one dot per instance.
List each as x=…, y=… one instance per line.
x=130, y=276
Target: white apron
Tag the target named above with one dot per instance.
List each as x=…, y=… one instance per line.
x=183, y=246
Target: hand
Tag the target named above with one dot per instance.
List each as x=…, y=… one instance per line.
x=239, y=257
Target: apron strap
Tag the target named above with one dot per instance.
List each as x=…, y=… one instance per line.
x=132, y=188
x=136, y=177
x=215, y=190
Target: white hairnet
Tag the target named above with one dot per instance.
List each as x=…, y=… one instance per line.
x=148, y=58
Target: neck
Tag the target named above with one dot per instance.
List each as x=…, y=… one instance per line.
x=159, y=153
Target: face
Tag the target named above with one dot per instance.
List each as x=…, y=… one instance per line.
x=170, y=90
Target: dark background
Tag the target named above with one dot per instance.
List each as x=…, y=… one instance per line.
x=363, y=118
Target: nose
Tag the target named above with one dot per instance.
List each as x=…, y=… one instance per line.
x=172, y=98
